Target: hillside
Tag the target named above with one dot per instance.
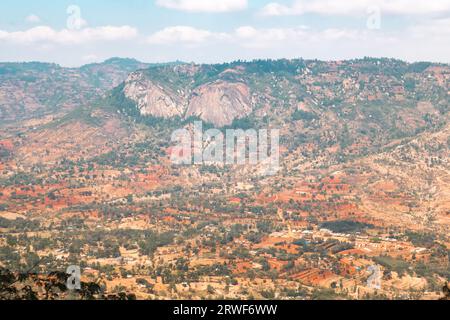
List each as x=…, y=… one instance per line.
x=348, y=108
x=31, y=90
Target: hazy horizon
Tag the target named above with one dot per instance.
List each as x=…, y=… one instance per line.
x=223, y=62
x=75, y=33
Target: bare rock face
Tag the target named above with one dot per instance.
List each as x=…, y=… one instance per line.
x=220, y=103
x=152, y=99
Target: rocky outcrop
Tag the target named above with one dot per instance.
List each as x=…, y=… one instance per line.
x=220, y=103
x=153, y=99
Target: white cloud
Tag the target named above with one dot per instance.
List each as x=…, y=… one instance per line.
x=248, y=36
x=44, y=34
x=32, y=18
x=204, y=5
x=183, y=34
x=350, y=7
x=437, y=29
x=251, y=37
x=262, y=38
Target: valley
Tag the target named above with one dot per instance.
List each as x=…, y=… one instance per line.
x=86, y=179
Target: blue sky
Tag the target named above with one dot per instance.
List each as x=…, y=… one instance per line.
x=73, y=32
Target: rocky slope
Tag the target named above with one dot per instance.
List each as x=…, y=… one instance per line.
x=153, y=99
x=218, y=102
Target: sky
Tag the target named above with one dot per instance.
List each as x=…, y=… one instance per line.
x=77, y=32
